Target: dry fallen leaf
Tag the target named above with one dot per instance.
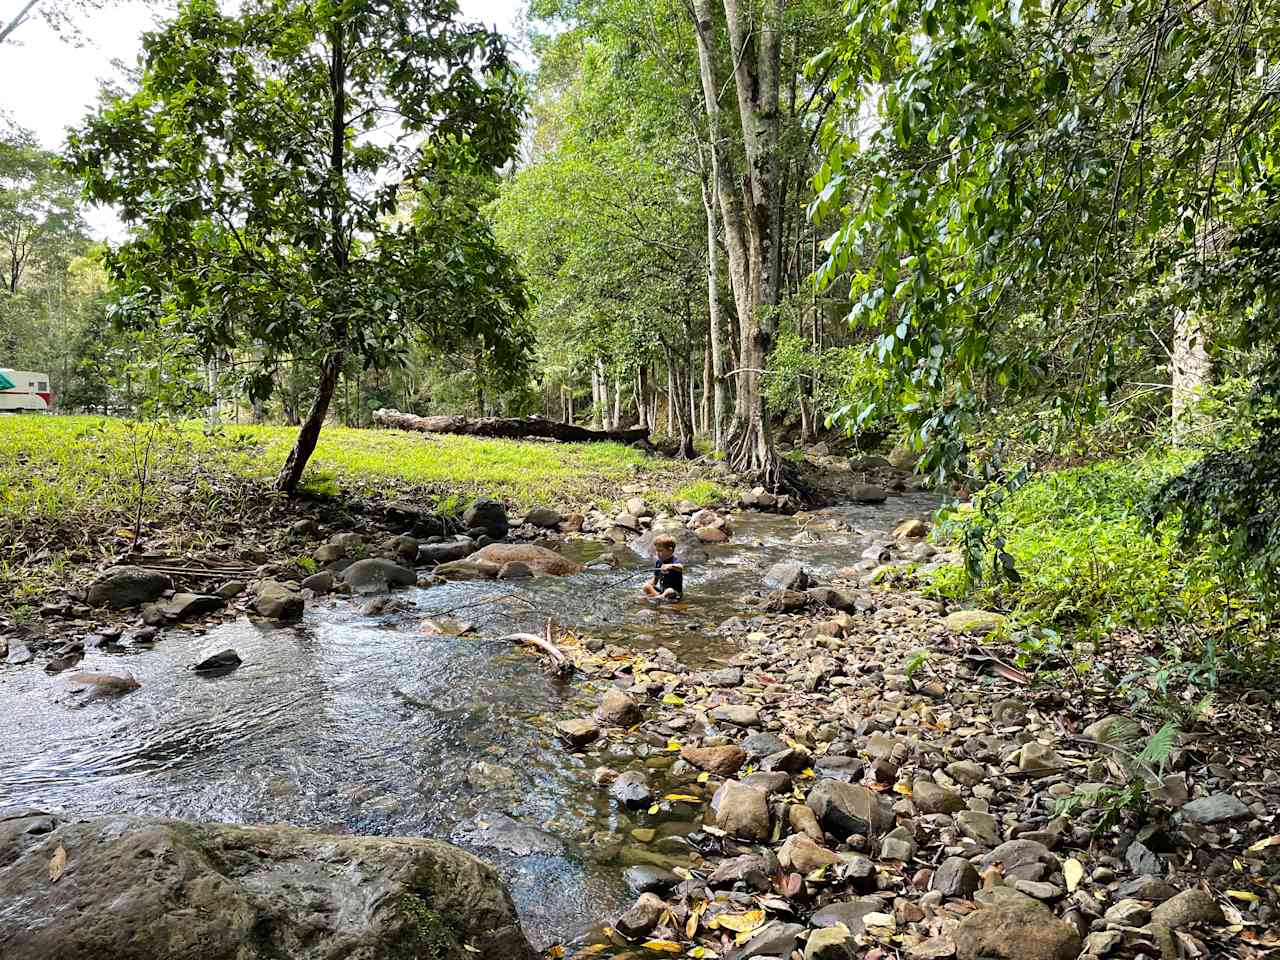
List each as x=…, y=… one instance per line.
x=663, y=946
x=1073, y=871
x=57, y=863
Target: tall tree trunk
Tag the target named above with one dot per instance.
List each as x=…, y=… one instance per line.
x=597, y=404
x=672, y=397
x=756, y=50
x=617, y=403
x=309, y=434
x=720, y=388
x=722, y=186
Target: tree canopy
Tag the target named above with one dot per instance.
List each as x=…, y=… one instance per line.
x=270, y=162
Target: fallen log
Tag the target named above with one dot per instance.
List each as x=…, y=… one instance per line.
x=506, y=428
x=560, y=665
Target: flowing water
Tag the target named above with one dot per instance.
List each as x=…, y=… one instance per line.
x=361, y=724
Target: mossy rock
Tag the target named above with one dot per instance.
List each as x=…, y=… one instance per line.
x=974, y=623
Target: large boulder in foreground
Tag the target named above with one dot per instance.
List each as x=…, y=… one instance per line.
x=137, y=888
x=543, y=562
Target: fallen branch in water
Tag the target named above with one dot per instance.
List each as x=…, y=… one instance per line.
x=559, y=661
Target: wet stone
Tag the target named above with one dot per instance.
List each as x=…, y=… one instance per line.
x=632, y=790
x=848, y=912
x=760, y=745
x=645, y=878
x=955, y=877
x=1218, y=808
x=578, y=733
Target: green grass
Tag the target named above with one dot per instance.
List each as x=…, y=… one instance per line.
x=69, y=484
x=1086, y=554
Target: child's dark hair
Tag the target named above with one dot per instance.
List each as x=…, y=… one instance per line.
x=664, y=542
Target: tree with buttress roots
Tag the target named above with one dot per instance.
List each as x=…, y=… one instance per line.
x=282, y=169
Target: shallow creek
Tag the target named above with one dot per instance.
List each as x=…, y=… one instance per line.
x=361, y=724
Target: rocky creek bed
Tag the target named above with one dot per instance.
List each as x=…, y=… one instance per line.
x=752, y=773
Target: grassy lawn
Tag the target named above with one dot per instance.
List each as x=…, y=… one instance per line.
x=67, y=484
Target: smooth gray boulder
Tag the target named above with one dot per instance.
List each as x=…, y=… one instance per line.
x=139, y=888
x=122, y=587
x=433, y=553
x=377, y=576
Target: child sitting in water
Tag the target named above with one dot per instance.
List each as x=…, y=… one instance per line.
x=668, y=573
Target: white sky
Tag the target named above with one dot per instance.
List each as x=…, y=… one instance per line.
x=48, y=85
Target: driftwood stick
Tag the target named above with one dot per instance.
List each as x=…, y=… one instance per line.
x=557, y=657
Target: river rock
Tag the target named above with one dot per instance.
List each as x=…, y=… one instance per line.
x=739, y=714
x=912, y=529
x=1142, y=860
x=544, y=517
x=487, y=515
x=868, y=493
x=468, y=569
x=1115, y=729
x=643, y=915
x=978, y=826
x=723, y=761
x=578, y=733
x=542, y=561
x=430, y=554
x=636, y=507
x=99, y=685
x=830, y=943
x=632, y=790
x=320, y=583
x=185, y=606
x=278, y=601
x=224, y=659
x=787, y=575
x=1016, y=929
x=803, y=855
x=835, y=599
x=847, y=808
x=711, y=535
x=742, y=811
x=377, y=576
x=515, y=570
x=975, y=623
x=848, y=912
x=617, y=708
x=931, y=798
x=1188, y=907
x=774, y=939
x=221, y=892
x=760, y=745
x=1218, y=808
x=1039, y=758
x=122, y=587
x=646, y=878
x=1022, y=859
x=955, y=877
x=19, y=654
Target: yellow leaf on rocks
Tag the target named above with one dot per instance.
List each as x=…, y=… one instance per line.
x=902, y=788
x=591, y=951
x=701, y=952
x=1073, y=872
x=554, y=952
x=739, y=922
x=663, y=946
x=818, y=874
x=57, y=863
x=1244, y=895
x=1263, y=844
x=653, y=810
x=672, y=700
x=704, y=777
x=673, y=745
x=683, y=797
x=807, y=772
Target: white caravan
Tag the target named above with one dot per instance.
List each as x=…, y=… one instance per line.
x=22, y=391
